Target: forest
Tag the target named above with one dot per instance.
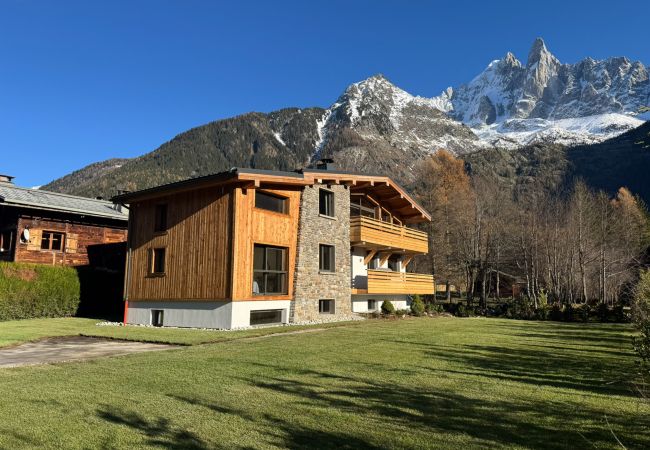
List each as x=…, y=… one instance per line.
x=563, y=246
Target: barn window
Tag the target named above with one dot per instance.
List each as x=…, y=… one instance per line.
x=160, y=219
x=6, y=241
x=270, y=202
x=158, y=261
x=269, y=270
x=51, y=240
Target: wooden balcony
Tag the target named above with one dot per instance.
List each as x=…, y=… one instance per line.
x=372, y=233
x=387, y=282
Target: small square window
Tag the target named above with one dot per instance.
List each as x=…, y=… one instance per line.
x=157, y=316
x=160, y=218
x=372, y=305
x=158, y=257
x=326, y=258
x=326, y=306
x=51, y=240
x=326, y=202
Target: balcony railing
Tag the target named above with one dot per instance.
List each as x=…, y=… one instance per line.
x=375, y=233
x=387, y=282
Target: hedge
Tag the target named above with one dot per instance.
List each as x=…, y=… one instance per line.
x=30, y=291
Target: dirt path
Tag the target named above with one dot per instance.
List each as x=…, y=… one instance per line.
x=70, y=348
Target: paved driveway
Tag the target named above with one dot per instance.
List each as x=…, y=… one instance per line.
x=72, y=348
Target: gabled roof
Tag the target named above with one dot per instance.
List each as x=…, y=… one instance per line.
x=387, y=190
x=11, y=195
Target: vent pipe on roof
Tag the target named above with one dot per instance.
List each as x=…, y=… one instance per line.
x=7, y=179
x=326, y=164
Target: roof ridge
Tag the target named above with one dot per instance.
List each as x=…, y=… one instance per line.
x=59, y=194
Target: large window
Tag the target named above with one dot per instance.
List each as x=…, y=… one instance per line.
x=269, y=270
x=158, y=257
x=361, y=206
x=271, y=202
x=52, y=240
x=326, y=258
x=326, y=306
x=266, y=317
x=326, y=202
x=160, y=218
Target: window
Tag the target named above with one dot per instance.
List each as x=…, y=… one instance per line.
x=266, y=317
x=394, y=263
x=270, y=202
x=160, y=218
x=157, y=317
x=6, y=241
x=269, y=270
x=373, y=264
x=326, y=202
x=326, y=258
x=52, y=241
x=372, y=305
x=158, y=261
x=326, y=306
x=360, y=206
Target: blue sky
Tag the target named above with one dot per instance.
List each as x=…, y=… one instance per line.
x=89, y=80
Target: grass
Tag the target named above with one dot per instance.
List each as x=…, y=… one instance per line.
x=19, y=331
x=418, y=383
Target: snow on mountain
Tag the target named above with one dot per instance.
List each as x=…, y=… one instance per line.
x=516, y=104
x=375, y=109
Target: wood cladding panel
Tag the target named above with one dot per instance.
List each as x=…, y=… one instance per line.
x=255, y=225
x=386, y=282
x=197, y=244
x=78, y=240
x=372, y=233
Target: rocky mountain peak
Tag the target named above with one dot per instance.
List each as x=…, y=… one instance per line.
x=539, y=53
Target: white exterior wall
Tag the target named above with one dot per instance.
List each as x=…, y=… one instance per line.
x=360, y=302
x=223, y=315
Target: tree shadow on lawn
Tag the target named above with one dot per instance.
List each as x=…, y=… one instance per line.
x=159, y=432
x=395, y=409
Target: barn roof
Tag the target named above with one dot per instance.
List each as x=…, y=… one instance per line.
x=11, y=195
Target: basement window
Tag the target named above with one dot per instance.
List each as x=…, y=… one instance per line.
x=372, y=305
x=157, y=317
x=266, y=317
x=158, y=257
x=271, y=202
x=52, y=240
x=326, y=306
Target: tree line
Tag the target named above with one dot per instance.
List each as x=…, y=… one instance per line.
x=571, y=246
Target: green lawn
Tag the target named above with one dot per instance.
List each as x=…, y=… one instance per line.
x=436, y=383
x=19, y=331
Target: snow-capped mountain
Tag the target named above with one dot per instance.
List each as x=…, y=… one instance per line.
x=514, y=104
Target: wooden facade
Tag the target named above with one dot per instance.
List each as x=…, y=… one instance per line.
x=373, y=233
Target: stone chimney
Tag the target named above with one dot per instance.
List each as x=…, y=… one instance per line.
x=326, y=164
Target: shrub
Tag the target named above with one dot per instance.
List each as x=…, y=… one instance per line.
x=401, y=312
x=387, y=307
x=641, y=317
x=417, y=306
x=433, y=308
x=568, y=313
x=461, y=310
x=30, y=291
x=602, y=312
x=583, y=312
x=543, y=312
x=556, y=312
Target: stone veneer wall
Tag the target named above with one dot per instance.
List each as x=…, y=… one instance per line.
x=310, y=284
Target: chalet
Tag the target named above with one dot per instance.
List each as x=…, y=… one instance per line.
x=50, y=228
x=248, y=247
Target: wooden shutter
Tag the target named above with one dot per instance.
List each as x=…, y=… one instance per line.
x=71, y=242
x=35, y=237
